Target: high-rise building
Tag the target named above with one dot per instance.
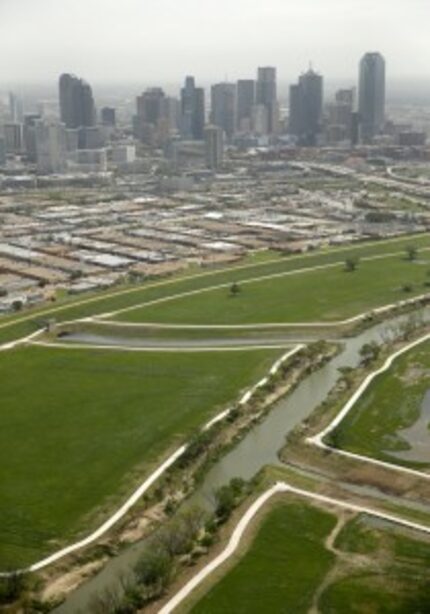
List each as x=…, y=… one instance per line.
x=150, y=105
x=306, y=103
x=223, y=107
x=13, y=135
x=245, y=104
x=214, y=146
x=29, y=135
x=192, y=111
x=266, y=94
x=172, y=113
x=77, y=108
x=150, y=115
x=2, y=151
x=371, y=98
x=50, y=147
x=16, y=108
x=108, y=116
x=340, y=117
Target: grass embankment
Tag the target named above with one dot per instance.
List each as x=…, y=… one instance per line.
x=391, y=404
x=79, y=429
x=13, y=327
x=324, y=295
x=289, y=567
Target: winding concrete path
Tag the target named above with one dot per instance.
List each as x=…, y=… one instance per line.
x=252, y=280
x=235, y=539
x=166, y=282
x=149, y=481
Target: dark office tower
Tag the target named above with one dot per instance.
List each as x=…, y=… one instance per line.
x=149, y=121
x=223, y=107
x=76, y=102
x=245, y=104
x=306, y=100
x=266, y=95
x=150, y=105
x=296, y=110
x=192, y=111
x=371, y=99
x=108, y=116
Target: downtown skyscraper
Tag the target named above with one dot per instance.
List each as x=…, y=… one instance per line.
x=77, y=107
x=371, y=95
x=223, y=107
x=306, y=106
x=192, y=110
x=267, y=96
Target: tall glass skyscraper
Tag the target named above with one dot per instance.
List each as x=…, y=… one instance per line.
x=266, y=95
x=76, y=102
x=306, y=106
x=371, y=102
x=192, y=110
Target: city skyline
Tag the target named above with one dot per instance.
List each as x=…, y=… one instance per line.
x=123, y=43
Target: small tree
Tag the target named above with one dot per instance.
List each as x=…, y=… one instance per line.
x=235, y=289
x=411, y=253
x=153, y=570
x=369, y=352
x=351, y=264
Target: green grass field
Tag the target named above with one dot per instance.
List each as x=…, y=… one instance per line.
x=288, y=568
x=391, y=403
x=79, y=429
x=322, y=295
x=13, y=327
x=282, y=569
x=397, y=584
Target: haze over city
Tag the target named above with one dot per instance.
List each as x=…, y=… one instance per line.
x=160, y=40
x=214, y=306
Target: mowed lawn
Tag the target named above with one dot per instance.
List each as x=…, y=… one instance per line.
x=79, y=429
x=282, y=569
x=390, y=404
x=327, y=294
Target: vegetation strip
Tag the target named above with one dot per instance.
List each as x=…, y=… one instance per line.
x=235, y=539
x=139, y=492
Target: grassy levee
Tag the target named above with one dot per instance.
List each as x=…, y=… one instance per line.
x=390, y=404
x=282, y=569
x=12, y=327
x=325, y=295
x=80, y=429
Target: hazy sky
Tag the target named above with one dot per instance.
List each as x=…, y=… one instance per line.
x=162, y=40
